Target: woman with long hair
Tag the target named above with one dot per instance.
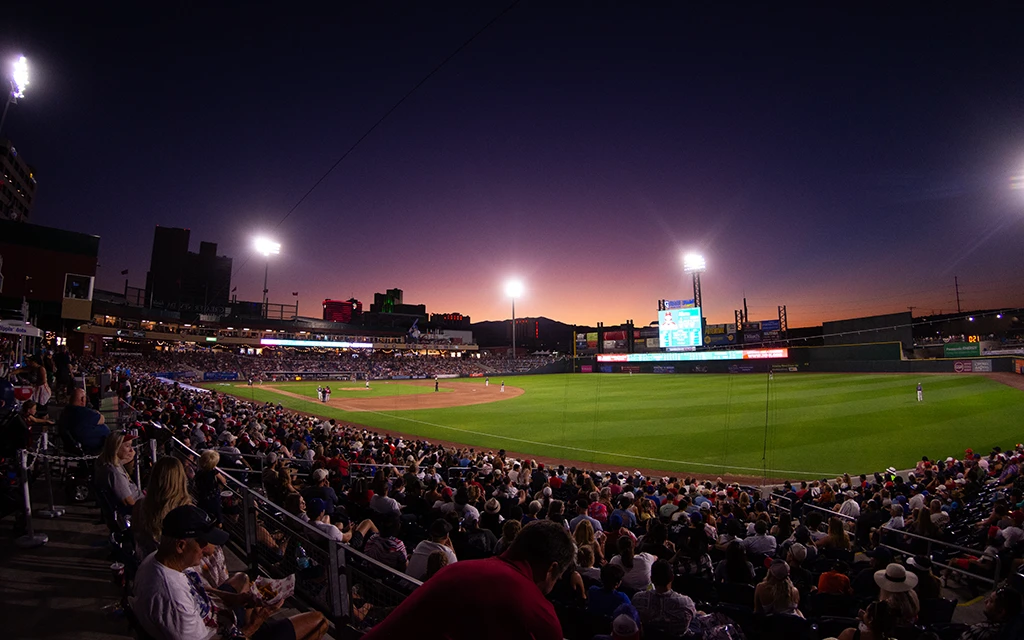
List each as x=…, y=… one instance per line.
x=877, y=622
x=735, y=568
x=837, y=537
x=167, y=489
x=584, y=535
x=776, y=593
x=636, y=565
x=111, y=476
x=509, y=531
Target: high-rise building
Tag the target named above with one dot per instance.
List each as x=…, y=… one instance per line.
x=17, y=184
x=347, y=311
x=180, y=279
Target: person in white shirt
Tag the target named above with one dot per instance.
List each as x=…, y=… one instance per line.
x=850, y=506
x=171, y=602
x=760, y=542
x=637, y=566
x=438, y=542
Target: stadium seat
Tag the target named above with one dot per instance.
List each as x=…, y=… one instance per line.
x=832, y=626
x=949, y=631
x=828, y=604
x=782, y=625
x=741, y=615
x=936, y=611
x=699, y=589
x=735, y=593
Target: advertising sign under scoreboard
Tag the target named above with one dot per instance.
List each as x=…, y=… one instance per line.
x=679, y=328
x=770, y=325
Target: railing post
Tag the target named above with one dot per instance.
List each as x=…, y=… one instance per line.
x=31, y=539
x=152, y=450
x=335, y=566
x=52, y=512
x=249, y=532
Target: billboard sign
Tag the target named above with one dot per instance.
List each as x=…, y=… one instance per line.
x=679, y=328
x=982, y=366
x=751, y=337
x=664, y=369
x=961, y=349
x=695, y=356
x=673, y=305
x=1018, y=366
x=586, y=368
x=770, y=325
x=963, y=366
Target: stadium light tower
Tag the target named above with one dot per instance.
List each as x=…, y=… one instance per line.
x=694, y=263
x=267, y=247
x=18, y=82
x=514, y=289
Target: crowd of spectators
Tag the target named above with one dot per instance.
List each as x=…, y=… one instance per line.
x=281, y=364
x=647, y=552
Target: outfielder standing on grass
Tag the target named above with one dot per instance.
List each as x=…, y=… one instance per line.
x=920, y=393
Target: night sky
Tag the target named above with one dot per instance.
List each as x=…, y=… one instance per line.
x=843, y=162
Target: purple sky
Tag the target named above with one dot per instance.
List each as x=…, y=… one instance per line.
x=841, y=163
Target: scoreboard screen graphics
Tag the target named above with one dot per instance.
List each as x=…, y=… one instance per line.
x=679, y=328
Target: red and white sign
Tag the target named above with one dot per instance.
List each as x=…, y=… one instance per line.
x=963, y=366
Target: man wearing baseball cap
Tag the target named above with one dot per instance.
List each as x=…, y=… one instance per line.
x=171, y=602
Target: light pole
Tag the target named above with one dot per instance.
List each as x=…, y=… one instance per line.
x=514, y=289
x=18, y=82
x=267, y=247
x=694, y=263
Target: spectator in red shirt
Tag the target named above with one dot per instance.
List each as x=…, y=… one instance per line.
x=517, y=609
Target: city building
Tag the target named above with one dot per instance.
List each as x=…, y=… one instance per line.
x=347, y=311
x=17, y=184
x=179, y=279
x=450, y=320
x=49, y=271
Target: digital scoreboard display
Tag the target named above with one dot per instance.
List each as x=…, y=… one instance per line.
x=679, y=328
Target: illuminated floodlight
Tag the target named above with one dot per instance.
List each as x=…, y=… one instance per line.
x=20, y=78
x=694, y=263
x=999, y=315
x=514, y=288
x=970, y=319
x=267, y=247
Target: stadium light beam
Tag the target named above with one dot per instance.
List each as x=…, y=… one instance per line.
x=18, y=82
x=267, y=248
x=514, y=289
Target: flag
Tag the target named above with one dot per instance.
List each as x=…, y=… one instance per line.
x=124, y=273
x=295, y=293
x=234, y=289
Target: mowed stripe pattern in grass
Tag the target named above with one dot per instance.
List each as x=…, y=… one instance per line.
x=814, y=424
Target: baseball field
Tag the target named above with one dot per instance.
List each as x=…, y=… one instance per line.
x=792, y=426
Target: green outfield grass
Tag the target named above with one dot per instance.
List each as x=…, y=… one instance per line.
x=801, y=424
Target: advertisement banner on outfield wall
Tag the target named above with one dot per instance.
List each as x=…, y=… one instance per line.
x=630, y=368
x=663, y=369
x=741, y=368
x=606, y=368
x=963, y=366
x=982, y=366
x=785, y=368
x=586, y=368
x=1018, y=366
x=961, y=349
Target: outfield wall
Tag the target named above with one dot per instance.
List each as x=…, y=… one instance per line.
x=806, y=360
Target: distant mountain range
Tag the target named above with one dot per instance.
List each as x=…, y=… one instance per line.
x=538, y=334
